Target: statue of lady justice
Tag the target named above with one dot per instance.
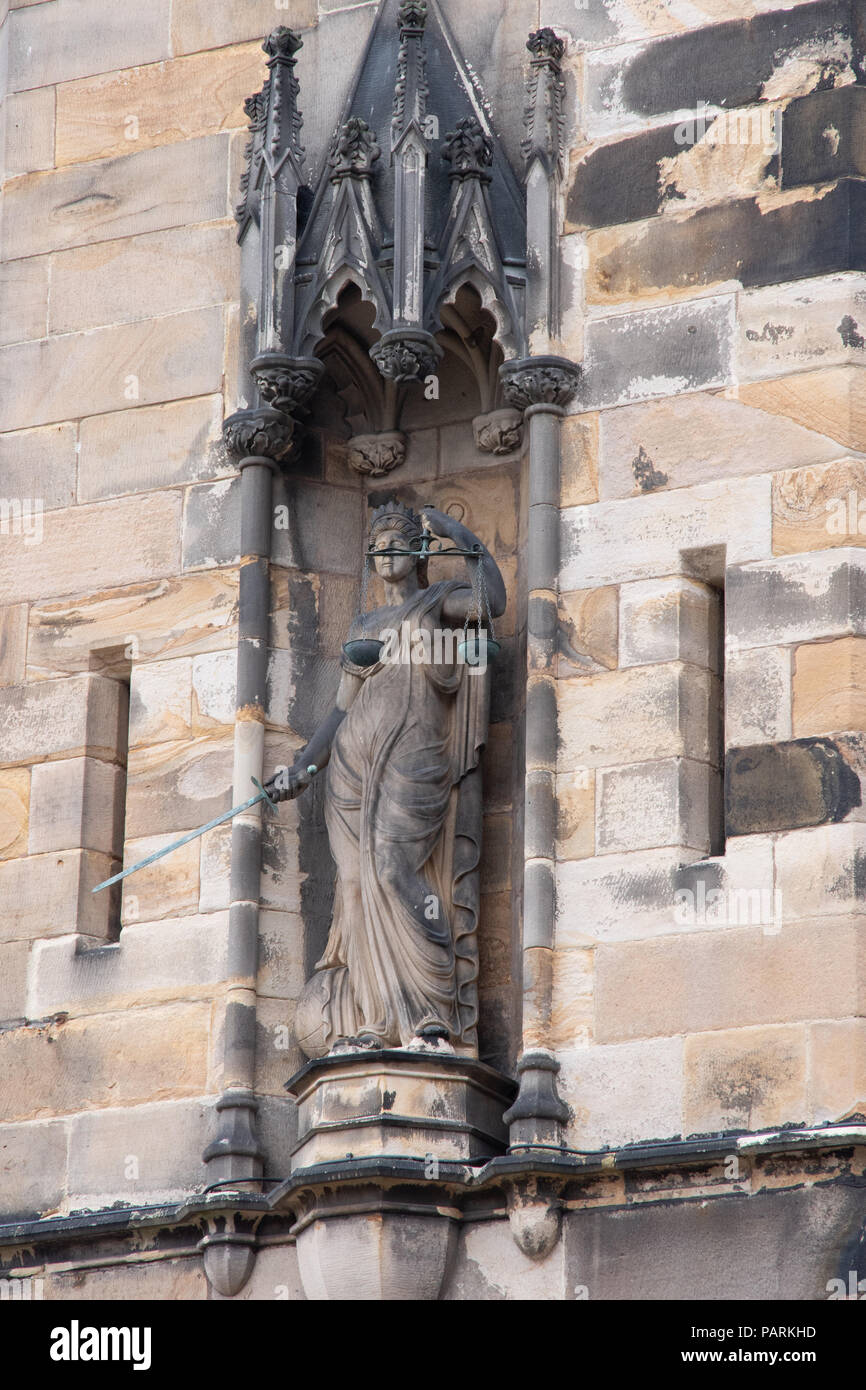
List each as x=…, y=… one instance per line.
x=401, y=751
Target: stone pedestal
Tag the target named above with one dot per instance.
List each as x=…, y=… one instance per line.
x=385, y=1140
x=399, y=1104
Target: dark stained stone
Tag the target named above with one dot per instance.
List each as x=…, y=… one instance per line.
x=619, y=182
x=728, y=64
x=786, y=786
x=824, y=137
x=737, y=241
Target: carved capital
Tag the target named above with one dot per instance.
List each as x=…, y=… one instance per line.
x=406, y=354
x=500, y=432
x=356, y=151
x=468, y=150
x=377, y=454
x=261, y=433
x=539, y=381
x=287, y=383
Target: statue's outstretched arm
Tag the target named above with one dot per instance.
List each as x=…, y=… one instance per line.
x=456, y=606
x=288, y=783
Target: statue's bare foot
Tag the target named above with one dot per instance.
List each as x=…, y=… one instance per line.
x=432, y=1037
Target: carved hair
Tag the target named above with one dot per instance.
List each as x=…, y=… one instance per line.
x=393, y=516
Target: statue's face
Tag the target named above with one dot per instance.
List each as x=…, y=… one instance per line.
x=393, y=567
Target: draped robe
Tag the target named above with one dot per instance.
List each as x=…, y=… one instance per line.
x=403, y=811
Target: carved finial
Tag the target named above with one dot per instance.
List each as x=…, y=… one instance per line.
x=412, y=15
x=356, y=151
x=543, y=114
x=546, y=45
x=468, y=150
x=282, y=42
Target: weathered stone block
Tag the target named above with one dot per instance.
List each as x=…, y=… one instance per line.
x=575, y=806
x=33, y=1168
x=24, y=300
x=821, y=872
x=700, y=438
x=674, y=619
x=733, y=978
x=675, y=801
x=168, y=888
x=93, y=373
x=52, y=895
x=13, y=983
x=142, y=277
x=14, y=811
x=92, y=40
x=657, y=352
x=93, y=115
x=212, y=525
x=282, y=971
x=160, y=702
x=837, y=1070
x=828, y=402
x=785, y=786
x=580, y=460
x=40, y=465
x=758, y=696
x=198, y=25
x=215, y=869
x=815, y=322
x=281, y=871
x=169, y=1280
x=655, y=892
x=622, y=1093
x=112, y=198
x=802, y=598
x=122, y=1155
x=828, y=686
x=81, y=549
x=29, y=129
x=573, y=1011
x=139, y=1056
x=278, y=1055
x=13, y=644
x=84, y=714
x=152, y=963
x=589, y=632
x=666, y=710
x=160, y=446
x=643, y=537
x=76, y=803
x=750, y=1078
x=819, y=508
x=161, y=618
x=178, y=786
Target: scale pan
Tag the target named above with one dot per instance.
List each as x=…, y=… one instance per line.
x=364, y=651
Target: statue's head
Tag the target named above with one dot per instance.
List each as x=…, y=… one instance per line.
x=395, y=527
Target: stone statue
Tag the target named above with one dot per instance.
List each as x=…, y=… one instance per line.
x=401, y=752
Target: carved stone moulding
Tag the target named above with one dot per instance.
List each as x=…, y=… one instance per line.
x=398, y=1103
x=406, y=354
x=530, y=381
x=377, y=454
x=259, y=433
x=287, y=383
x=500, y=432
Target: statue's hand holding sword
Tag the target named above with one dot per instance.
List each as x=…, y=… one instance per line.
x=285, y=786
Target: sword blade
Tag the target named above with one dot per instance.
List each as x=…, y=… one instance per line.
x=193, y=835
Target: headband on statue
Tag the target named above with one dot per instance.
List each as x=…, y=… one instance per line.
x=395, y=517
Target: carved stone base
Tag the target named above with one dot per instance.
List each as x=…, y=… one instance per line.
x=377, y=454
x=399, y=1103
x=500, y=432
